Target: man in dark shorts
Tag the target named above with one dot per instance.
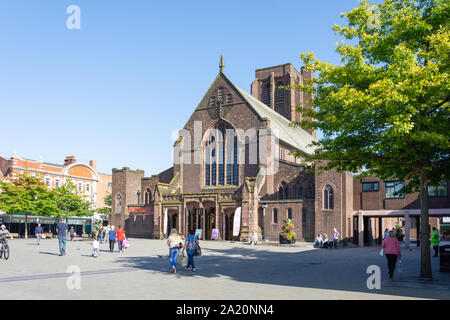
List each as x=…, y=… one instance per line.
x=61, y=229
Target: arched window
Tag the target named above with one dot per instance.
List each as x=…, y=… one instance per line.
x=300, y=194
x=328, y=197
x=283, y=191
x=221, y=158
x=279, y=98
x=118, y=203
x=148, y=196
x=310, y=194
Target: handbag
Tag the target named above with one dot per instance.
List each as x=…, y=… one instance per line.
x=125, y=243
x=198, y=250
x=382, y=252
x=182, y=260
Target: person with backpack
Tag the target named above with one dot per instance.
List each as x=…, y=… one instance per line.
x=191, y=246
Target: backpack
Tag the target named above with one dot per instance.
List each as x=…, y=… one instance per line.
x=191, y=243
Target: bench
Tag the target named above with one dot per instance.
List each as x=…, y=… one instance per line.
x=14, y=235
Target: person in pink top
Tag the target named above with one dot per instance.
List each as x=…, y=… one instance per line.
x=391, y=248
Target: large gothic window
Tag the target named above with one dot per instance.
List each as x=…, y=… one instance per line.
x=221, y=156
x=328, y=198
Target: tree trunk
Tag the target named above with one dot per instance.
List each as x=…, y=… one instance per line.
x=425, y=262
x=26, y=226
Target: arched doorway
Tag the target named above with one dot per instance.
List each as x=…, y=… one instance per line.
x=210, y=223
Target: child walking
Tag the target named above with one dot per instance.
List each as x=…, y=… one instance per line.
x=95, y=246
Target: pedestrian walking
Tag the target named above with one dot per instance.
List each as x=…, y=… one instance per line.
x=71, y=233
x=386, y=233
x=190, y=246
x=38, y=232
x=107, y=229
x=61, y=229
x=112, y=238
x=95, y=247
x=335, y=237
x=120, y=235
x=99, y=234
x=175, y=243
x=391, y=248
x=435, y=242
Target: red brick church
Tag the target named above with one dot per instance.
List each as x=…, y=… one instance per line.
x=233, y=158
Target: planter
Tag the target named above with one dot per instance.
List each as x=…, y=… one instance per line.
x=286, y=241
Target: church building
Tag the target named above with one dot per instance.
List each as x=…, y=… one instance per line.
x=233, y=173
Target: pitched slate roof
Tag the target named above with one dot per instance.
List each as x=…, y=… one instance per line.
x=280, y=126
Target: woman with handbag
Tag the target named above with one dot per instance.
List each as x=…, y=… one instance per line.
x=192, y=247
x=391, y=249
x=174, y=243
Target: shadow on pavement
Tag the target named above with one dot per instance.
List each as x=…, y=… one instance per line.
x=318, y=269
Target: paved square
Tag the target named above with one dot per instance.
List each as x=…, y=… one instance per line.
x=225, y=271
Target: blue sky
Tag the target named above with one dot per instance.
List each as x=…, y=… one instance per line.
x=116, y=89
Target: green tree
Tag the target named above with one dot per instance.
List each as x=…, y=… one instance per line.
x=384, y=110
x=27, y=195
x=69, y=202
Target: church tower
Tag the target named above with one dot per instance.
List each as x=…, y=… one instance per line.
x=266, y=88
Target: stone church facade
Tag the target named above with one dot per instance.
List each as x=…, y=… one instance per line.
x=220, y=168
x=205, y=194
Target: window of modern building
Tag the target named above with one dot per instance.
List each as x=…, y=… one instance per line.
x=289, y=213
x=370, y=186
x=328, y=198
x=439, y=190
x=275, y=216
x=393, y=189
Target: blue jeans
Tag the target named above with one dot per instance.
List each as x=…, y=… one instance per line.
x=120, y=244
x=173, y=254
x=191, y=261
x=62, y=244
x=99, y=237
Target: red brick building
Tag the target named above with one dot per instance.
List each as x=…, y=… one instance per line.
x=206, y=184
x=89, y=182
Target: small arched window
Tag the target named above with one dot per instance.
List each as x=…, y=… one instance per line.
x=283, y=191
x=328, y=197
x=148, y=196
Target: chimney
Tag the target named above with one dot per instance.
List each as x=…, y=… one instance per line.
x=69, y=160
x=93, y=164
